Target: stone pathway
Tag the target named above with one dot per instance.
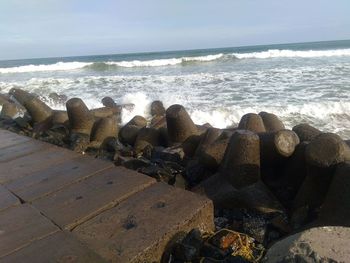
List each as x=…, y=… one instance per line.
x=60, y=206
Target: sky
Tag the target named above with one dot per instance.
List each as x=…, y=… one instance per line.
x=54, y=28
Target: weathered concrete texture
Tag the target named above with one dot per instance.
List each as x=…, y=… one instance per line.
x=22, y=149
x=56, y=177
x=139, y=229
x=7, y=199
x=319, y=245
x=20, y=225
x=79, y=202
x=9, y=139
x=36, y=161
x=58, y=247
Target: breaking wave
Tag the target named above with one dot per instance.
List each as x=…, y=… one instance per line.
x=277, y=53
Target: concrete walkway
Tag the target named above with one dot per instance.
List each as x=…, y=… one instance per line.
x=60, y=206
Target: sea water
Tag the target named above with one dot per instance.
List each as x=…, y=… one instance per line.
x=304, y=82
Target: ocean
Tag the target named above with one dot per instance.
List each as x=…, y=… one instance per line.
x=304, y=82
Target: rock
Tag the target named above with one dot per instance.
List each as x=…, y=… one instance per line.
x=79, y=142
x=38, y=110
x=196, y=172
x=255, y=227
x=295, y=172
x=108, y=102
x=135, y=164
x=105, y=112
x=190, y=247
x=327, y=149
x=80, y=118
x=8, y=110
x=60, y=118
x=306, y=132
x=209, y=137
x=335, y=210
x=255, y=197
x=275, y=146
x=58, y=98
x=157, y=108
x=190, y=145
x=145, y=137
x=180, y=125
x=104, y=129
x=21, y=95
x=138, y=121
x=212, y=155
x=158, y=122
x=313, y=192
x=128, y=133
x=271, y=122
x=173, y=154
x=241, y=163
x=322, y=244
x=252, y=122
x=4, y=99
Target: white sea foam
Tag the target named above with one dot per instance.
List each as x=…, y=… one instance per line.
x=276, y=53
x=59, y=66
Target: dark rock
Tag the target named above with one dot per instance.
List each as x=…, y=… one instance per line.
x=146, y=137
x=256, y=228
x=256, y=197
x=158, y=122
x=335, y=210
x=180, y=125
x=190, y=247
x=108, y=102
x=128, y=134
x=173, y=154
x=135, y=164
x=241, y=163
x=252, y=122
x=190, y=145
x=327, y=149
x=79, y=142
x=38, y=110
x=157, y=108
x=60, y=118
x=306, y=132
x=196, y=172
x=271, y=122
x=275, y=146
x=80, y=118
x=8, y=110
x=212, y=155
x=209, y=137
x=104, y=129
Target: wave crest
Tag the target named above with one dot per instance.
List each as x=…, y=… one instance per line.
x=286, y=53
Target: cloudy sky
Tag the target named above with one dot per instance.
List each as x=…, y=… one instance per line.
x=49, y=28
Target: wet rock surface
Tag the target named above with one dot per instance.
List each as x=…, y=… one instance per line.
x=266, y=181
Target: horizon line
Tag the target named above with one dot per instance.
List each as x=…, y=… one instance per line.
x=167, y=51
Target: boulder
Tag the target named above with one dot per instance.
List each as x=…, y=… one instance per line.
x=212, y=155
x=108, y=102
x=306, y=132
x=128, y=133
x=241, y=162
x=278, y=145
x=335, y=210
x=179, y=123
x=157, y=108
x=104, y=112
x=252, y=122
x=59, y=117
x=104, y=129
x=37, y=109
x=256, y=197
x=271, y=122
x=207, y=139
x=145, y=137
x=319, y=245
x=80, y=118
x=326, y=150
x=8, y=110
